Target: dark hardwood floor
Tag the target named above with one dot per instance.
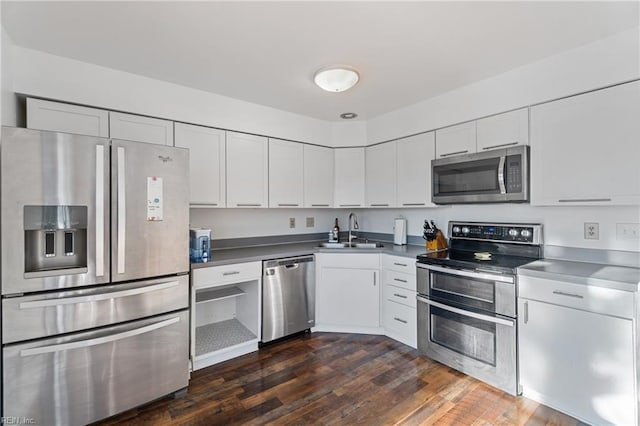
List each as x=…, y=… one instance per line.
x=339, y=379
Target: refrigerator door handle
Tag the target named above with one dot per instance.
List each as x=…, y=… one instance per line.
x=122, y=211
x=98, y=340
x=97, y=297
x=99, y=210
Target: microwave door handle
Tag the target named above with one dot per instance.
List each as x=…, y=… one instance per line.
x=503, y=189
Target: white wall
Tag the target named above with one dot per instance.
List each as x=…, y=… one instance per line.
x=238, y=223
x=607, y=61
x=8, y=105
x=349, y=133
x=41, y=74
x=562, y=226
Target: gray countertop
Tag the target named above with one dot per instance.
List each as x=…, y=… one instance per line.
x=275, y=251
x=595, y=274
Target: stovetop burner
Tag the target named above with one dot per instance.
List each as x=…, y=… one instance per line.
x=498, y=247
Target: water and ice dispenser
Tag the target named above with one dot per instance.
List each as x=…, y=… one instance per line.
x=55, y=240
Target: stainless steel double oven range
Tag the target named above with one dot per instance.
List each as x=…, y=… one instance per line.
x=95, y=284
x=467, y=299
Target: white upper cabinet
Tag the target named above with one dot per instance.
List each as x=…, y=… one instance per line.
x=140, y=129
x=380, y=169
x=285, y=173
x=414, y=170
x=318, y=176
x=456, y=140
x=585, y=149
x=349, y=177
x=503, y=130
x=247, y=170
x=60, y=117
x=206, y=163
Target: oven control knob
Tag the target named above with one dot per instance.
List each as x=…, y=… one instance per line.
x=465, y=230
x=513, y=232
x=456, y=229
x=525, y=233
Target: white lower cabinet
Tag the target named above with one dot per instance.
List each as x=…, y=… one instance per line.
x=576, y=361
x=399, y=315
x=225, y=312
x=348, y=293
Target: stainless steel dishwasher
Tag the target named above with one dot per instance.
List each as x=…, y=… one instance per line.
x=288, y=296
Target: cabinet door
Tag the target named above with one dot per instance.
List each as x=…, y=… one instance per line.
x=414, y=170
x=207, y=173
x=578, y=362
x=59, y=117
x=140, y=129
x=285, y=173
x=503, y=130
x=456, y=140
x=318, y=176
x=585, y=149
x=349, y=177
x=247, y=170
x=380, y=169
x=348, y=297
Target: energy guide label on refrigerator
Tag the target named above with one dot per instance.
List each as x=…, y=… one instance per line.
x=154, y=198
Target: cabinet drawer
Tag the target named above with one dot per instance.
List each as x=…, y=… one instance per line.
x=221, y=275
x=406, y=265
x=400, y=321
x=589, y=298
x=400, y=295
x=399, y=279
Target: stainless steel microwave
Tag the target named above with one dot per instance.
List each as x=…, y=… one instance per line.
x=499, y=175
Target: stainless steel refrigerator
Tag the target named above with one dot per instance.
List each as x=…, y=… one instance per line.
x=95, y=284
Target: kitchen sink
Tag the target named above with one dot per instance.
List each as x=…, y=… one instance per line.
x=364, y=245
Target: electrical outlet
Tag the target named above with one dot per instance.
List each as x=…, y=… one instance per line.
x=311, y=222
x=591, y=231
x=292, y=222
x=628, y=231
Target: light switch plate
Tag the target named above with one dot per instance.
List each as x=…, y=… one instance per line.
x=292, y=222
x=591, y=231
x=311, y=222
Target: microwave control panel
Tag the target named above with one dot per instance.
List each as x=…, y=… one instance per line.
x=514, y=173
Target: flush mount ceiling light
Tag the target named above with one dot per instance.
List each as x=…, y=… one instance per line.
x=348, y=115
x=336, y=78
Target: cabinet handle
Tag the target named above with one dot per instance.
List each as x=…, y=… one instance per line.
x=454, y=153
x=249, y=205
x=526, y=312
x=585, y=200
x=500, y=145
x=400, y=320
x=401, y=264
x=319, y=205
x=374, y=279
x=399, y=280
x=562, y=293
x=413, y=204
x=198, y=203
x=401, y=296
x=287, y=205
x=350, y=205
x=379, y=205
x=225, y=274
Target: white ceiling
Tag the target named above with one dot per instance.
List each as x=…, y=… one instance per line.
x=266, y=52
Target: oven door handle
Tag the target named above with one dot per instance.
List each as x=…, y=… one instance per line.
x=470, y=274
x=509, y=323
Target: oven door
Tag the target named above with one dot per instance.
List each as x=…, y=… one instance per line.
x=480, y=345
x=477, y=290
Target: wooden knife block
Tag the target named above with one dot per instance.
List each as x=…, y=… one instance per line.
x=440, y=243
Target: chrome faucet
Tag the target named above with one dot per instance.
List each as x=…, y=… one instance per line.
x=355, y=226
